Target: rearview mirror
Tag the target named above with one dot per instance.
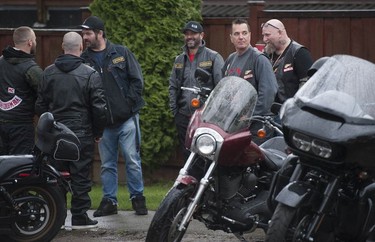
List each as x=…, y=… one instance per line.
x=202, y=76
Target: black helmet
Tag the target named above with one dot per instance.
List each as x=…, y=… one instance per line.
x=316, y=65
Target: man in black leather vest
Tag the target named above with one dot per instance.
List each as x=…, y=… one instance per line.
x=19, y=78
x=290, y=60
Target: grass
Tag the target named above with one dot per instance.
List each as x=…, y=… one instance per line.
x=154, y=194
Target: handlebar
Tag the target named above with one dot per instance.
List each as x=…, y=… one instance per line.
x=194, y=89
x=269, y=122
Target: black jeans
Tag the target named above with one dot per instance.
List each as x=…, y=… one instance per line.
x=17, y=139
x=80, y=176
x=182, y=122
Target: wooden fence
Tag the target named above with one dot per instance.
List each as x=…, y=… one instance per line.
x=324, y=33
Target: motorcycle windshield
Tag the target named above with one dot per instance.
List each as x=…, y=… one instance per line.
x=231, y=104
x=345, y=87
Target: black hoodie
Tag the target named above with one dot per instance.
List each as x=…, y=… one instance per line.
x=19, y=78
x=73, y=92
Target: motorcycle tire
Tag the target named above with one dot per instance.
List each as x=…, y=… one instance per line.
x=38, y=221
x=163, y=227
x=290, y=225
x=280, y=222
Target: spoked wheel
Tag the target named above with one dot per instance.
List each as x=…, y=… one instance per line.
x=41, y=216
x=175, y=234
x=165, y=223
x=301, y=229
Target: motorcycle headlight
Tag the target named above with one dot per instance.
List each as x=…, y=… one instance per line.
x=302, y=142
x=321, y=148
x=308, y=144
x=206, y=144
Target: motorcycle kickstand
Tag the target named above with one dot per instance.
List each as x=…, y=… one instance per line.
x=240, y=237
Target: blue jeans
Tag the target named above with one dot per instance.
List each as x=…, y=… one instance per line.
x=127, y=137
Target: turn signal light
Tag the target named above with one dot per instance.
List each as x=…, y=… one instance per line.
x=262, y=133
x=195, y=103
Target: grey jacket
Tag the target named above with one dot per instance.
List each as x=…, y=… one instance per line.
x=183, y=75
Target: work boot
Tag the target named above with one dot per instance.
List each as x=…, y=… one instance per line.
x=106, y=207
x=139, y=205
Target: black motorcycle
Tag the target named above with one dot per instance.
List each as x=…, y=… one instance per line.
x=330, y=127
x=226, y=180
x=32, y=202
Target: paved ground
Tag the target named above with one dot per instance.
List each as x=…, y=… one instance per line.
x=126, y=226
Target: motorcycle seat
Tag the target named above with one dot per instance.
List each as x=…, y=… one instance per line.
x=9, y=162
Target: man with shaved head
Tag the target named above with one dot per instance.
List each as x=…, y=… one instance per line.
x=73, y=93
x=19, y=78
x=290, y=60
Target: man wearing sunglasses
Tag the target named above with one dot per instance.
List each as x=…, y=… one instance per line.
x=290, y=60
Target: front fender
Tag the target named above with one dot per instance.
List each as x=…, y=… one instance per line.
x=294, y=194
x=186, y=179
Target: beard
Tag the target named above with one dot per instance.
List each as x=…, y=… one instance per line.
x=269, y=49
x=94, y=44
x=193, y=43
x=33, y=49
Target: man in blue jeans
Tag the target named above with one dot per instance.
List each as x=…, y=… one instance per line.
x=123, y=84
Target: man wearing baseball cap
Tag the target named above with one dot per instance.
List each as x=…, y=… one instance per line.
x=194, y=55
x=123, y=84
x=93, y=22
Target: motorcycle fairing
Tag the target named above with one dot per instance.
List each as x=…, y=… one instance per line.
x=227, y=112
x=231, y=104
x=337, y=105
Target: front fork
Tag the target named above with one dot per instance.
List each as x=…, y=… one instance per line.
x=183, y=177
x=299, y=193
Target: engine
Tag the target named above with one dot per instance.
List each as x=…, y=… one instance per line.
x=243, y=198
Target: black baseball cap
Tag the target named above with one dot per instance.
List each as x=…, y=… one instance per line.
x=193, y=26
x=93, y=22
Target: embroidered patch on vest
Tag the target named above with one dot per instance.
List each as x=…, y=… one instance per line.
x=178, y=65
x=14, y=102
x=205, y=64
x=118, y=60
x=248, y=74
x=288, y=67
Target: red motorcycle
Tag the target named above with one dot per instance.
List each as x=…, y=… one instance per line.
x=226, y=180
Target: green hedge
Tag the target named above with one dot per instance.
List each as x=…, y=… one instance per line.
x=152, y=31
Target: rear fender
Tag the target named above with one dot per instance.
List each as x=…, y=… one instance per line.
x=295, y=194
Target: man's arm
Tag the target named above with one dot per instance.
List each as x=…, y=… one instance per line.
x=217, y=68
x=41, y=104
x=98, y=104
x=34, y=75
x=173, y=90
x=302, y=62
x=267, y=85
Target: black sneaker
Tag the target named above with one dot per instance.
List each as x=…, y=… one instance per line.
x=139, y=205
x=83, y=222
x=106, y=207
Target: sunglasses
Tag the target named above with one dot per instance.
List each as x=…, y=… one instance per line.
x=268, y=24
